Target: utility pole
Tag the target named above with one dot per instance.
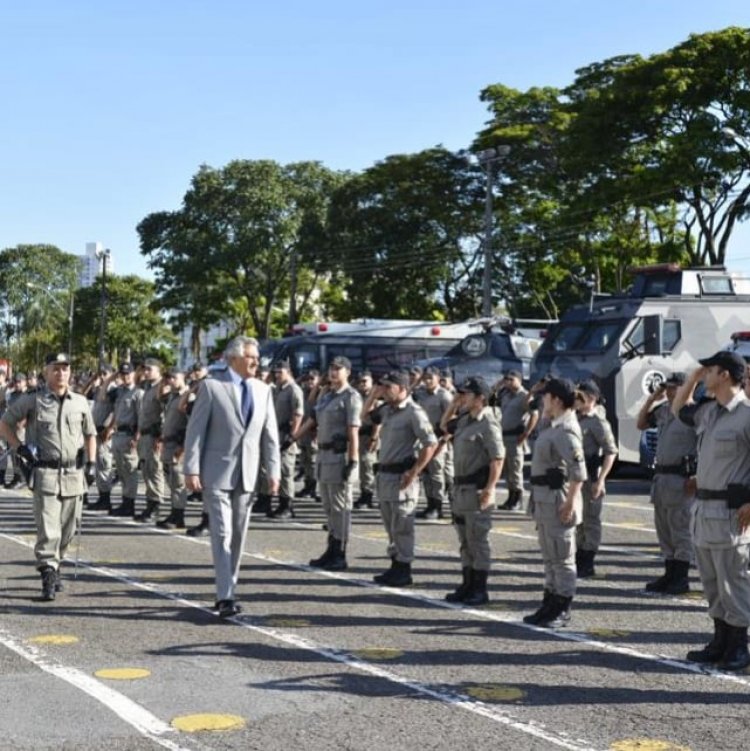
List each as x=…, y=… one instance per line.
x=103, y=256
x=488, y=158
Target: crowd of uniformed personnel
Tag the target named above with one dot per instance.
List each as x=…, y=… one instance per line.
x=414, y=433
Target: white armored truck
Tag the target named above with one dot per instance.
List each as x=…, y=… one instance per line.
x=629, y=343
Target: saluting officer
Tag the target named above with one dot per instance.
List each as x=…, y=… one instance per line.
x=599, y=452
x=150, y=420
x=337, y=418
x=558, y=471
x=61, y=428
x=434, y=400
x=101, y=409
x=368, y=447
x=173, y=449
x=672, y=493
x=518, y=422
x=407, y=443
x=478, y=453
x=308, y=443
x=721, y=514
x=289, y=403
x=126, y=400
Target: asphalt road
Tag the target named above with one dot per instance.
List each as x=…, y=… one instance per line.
x=332, y=661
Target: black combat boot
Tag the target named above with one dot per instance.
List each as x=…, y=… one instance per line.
x=126, y=508
x=679, y=582
x=364, y=500
x=322, y=560
x=433, y=510
x=16, y=482
x=175, y=520
x=285, y=509
x=478, y=593
x=715, y=649
x=382, y=578
x=657, y=585
x=557, y=614
x=585, y=563
x=541, y=611
x=463, y=588
x=49, y=578
x=200, y=529
x=337, y=559
x=399, y=575
x=262, y=504
x=59, y=586
x=513, y=503
x=104, y=503
x=308, y=489
x=736, y=656
x=150, y=514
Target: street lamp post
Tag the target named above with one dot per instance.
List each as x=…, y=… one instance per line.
x=103, y=255
x=488, y=158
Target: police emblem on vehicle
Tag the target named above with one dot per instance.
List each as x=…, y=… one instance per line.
x=651, y=381
x=474, y=346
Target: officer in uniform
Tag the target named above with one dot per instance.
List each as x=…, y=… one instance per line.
x=434, y=400
x=518, y=422
x=337, y=417
x=478, y=453
x=289, y=402
x=368, y=447
x=101, y=409
x=558, y=471
x=600, y=452
x=721, y=513
x=19, y=388
x=308, y=444
x=199, y=373
x=407, y=443
x=126, y=400
x=61, y=430
x=173, y=448
x=671, y=491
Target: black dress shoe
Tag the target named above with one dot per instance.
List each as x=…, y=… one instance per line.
x=227, y=609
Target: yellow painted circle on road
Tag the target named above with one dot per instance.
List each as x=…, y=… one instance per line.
x=694, y=594
x=507, y=528
x=608, y=633
x=378, y=653
x=194, y=723
x=287, y=622
x=54, y=639
x=646, y=744
x=495, y=692
x=376, y=535
x=122, y=674
x=274, y=553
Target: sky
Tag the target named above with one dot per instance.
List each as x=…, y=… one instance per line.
x=109, y=108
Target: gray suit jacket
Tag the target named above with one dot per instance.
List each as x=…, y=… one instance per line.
x=219, y=448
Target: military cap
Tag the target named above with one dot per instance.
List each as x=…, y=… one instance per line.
x=152, y=362
x=174, y=370
x=105, y=367
x=415, y=370
x=590, y=388
x=397, y=377
x=19, y=376
x=198, y=365
x=513, y=374
x=475, y=385
x=282, y=365
x=365, y=374
x=562, y=388
x=125, y=368
x=341, y=362
x=732, y=362
x=54, y=357
x=676, y=379
x=431, y=370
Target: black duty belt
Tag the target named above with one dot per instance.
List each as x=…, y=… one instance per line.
x=154, y=431
x=541, y=480
x=55, y=464
x=513, y=431
x=335, y=447
x=365, y=430
x=477, y=479
x=396, y=468
x=669, y=469
x=129, y=429
x=712, y=495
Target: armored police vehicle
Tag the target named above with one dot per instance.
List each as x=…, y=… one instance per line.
x=500, y=345
x=371, y=344
x=629, y=343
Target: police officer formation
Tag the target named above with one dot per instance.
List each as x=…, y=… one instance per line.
x=239, y=439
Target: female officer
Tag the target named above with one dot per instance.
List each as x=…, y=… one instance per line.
x=557, y=474
x=478, y=453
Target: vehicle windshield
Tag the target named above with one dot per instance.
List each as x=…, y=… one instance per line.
x=478, y=345
x=586, y=336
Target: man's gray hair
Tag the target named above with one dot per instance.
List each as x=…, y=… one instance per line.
x=236, y=347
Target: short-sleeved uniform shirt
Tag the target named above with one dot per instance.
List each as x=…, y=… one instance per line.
x=151, y=410
x=598, y=439
x=289, y=402
x=476, y=442
x=559, y=446
x=515, y=413
x=676, y=440
x=335, y=411
x=434, y=404
x=126, y=402
x=405, y=428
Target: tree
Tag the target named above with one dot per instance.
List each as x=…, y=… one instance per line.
x=135, y=327
x=405, y=237
x=228, y=252
x=36, y=282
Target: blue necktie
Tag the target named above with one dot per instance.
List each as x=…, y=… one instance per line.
x=246, y=403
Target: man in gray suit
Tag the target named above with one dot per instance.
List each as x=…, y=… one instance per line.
x=232, y=425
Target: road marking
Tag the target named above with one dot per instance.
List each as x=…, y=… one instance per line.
x=53, y=639
x=378, y=653
x=122, y=674
x=646, y=744
x=195, y=723
x=147, y=724
x=496, y=692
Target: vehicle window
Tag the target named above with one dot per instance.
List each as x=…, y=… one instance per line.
x=305, y=358
x=500, y=346
x=564, y=337
x=599, y=337
x=671, y=334
x=716, y=285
